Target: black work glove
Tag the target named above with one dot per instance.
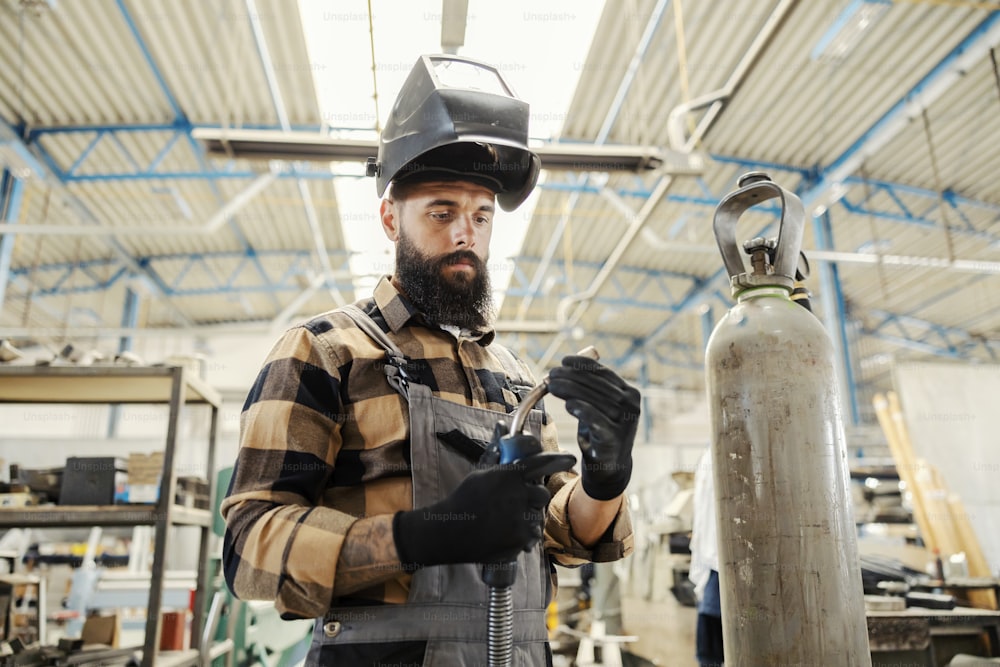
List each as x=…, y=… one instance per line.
x=494, y=514
x=608, y=412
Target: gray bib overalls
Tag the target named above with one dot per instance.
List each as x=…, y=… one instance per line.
x=447, y=604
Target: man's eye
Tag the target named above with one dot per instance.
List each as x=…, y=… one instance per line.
x=441, y=215
x=482, y=220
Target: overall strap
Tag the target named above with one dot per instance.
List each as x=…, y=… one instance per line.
x=396, y=361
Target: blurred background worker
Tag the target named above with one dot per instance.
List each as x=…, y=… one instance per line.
x=704, y=572
x=360, y=495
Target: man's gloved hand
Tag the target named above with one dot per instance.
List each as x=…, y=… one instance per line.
x=494, y=514
x=608, y=412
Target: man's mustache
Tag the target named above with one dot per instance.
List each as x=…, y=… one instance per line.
x=460, y=256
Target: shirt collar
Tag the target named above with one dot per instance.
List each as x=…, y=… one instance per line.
x=399, y=311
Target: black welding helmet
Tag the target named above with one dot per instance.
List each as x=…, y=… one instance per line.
x=457, y=118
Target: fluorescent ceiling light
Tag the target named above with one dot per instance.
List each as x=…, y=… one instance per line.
x=280, y=145
x=881, y=245
x=848, y=29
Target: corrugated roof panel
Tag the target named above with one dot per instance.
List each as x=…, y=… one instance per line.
x=962, y=124
x=84, y=64
x=810, y=106
x=282, y=25
x=976, y=306
x=603, y=69
x=40, y=206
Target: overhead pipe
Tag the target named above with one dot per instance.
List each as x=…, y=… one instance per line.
x=714, y=100
x=579, y=302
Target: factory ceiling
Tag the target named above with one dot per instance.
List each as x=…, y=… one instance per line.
x=120, y=220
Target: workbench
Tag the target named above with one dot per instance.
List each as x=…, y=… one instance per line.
x=931, y=637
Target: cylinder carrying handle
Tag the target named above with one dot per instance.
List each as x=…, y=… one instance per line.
x=756, y=187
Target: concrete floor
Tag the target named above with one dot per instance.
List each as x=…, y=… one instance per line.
x=665, y=630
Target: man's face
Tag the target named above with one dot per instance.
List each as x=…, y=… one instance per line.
x=442, y=232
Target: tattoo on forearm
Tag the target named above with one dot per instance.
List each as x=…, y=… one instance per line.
x=368, y=556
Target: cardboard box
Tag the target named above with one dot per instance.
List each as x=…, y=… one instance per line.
x=145, y=468
x=104, y=630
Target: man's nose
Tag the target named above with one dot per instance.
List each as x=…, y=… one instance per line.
x=463, y=231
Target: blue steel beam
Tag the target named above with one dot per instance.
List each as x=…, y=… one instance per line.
x=694, y=296
x=176, y=130
x=11, y=192
x=44, y=167
x=761, y=165
x=903, y=216
x=972, y=48
x=835, y=313
x=934, y=338
x=136, y=172
x=97, y=275
x=915, y=345
x=181, y=118
x=623, y=297
x=130, y=318
x=908, y=217
x=154, y=164
x=210, y=176
x=150, y=61
x=84, y=154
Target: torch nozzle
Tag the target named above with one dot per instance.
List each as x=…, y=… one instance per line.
x=538, y=391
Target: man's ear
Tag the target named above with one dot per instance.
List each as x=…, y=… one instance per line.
x=389, y=212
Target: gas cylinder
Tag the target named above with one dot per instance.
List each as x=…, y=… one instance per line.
x=789, y=572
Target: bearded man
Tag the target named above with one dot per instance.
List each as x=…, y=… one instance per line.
x=359, y=496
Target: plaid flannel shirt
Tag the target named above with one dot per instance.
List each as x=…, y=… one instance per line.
x=325, y=441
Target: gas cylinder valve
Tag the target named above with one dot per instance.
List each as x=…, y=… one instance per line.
x=760, y=250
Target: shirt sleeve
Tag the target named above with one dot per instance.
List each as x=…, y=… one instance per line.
x=560, y=544
x=280, y=544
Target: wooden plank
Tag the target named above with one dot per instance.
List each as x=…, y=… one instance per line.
x=905, y=469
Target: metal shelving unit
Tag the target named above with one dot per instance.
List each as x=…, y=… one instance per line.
x=173, y=386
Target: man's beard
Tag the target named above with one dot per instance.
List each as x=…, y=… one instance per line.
x=458, y=299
